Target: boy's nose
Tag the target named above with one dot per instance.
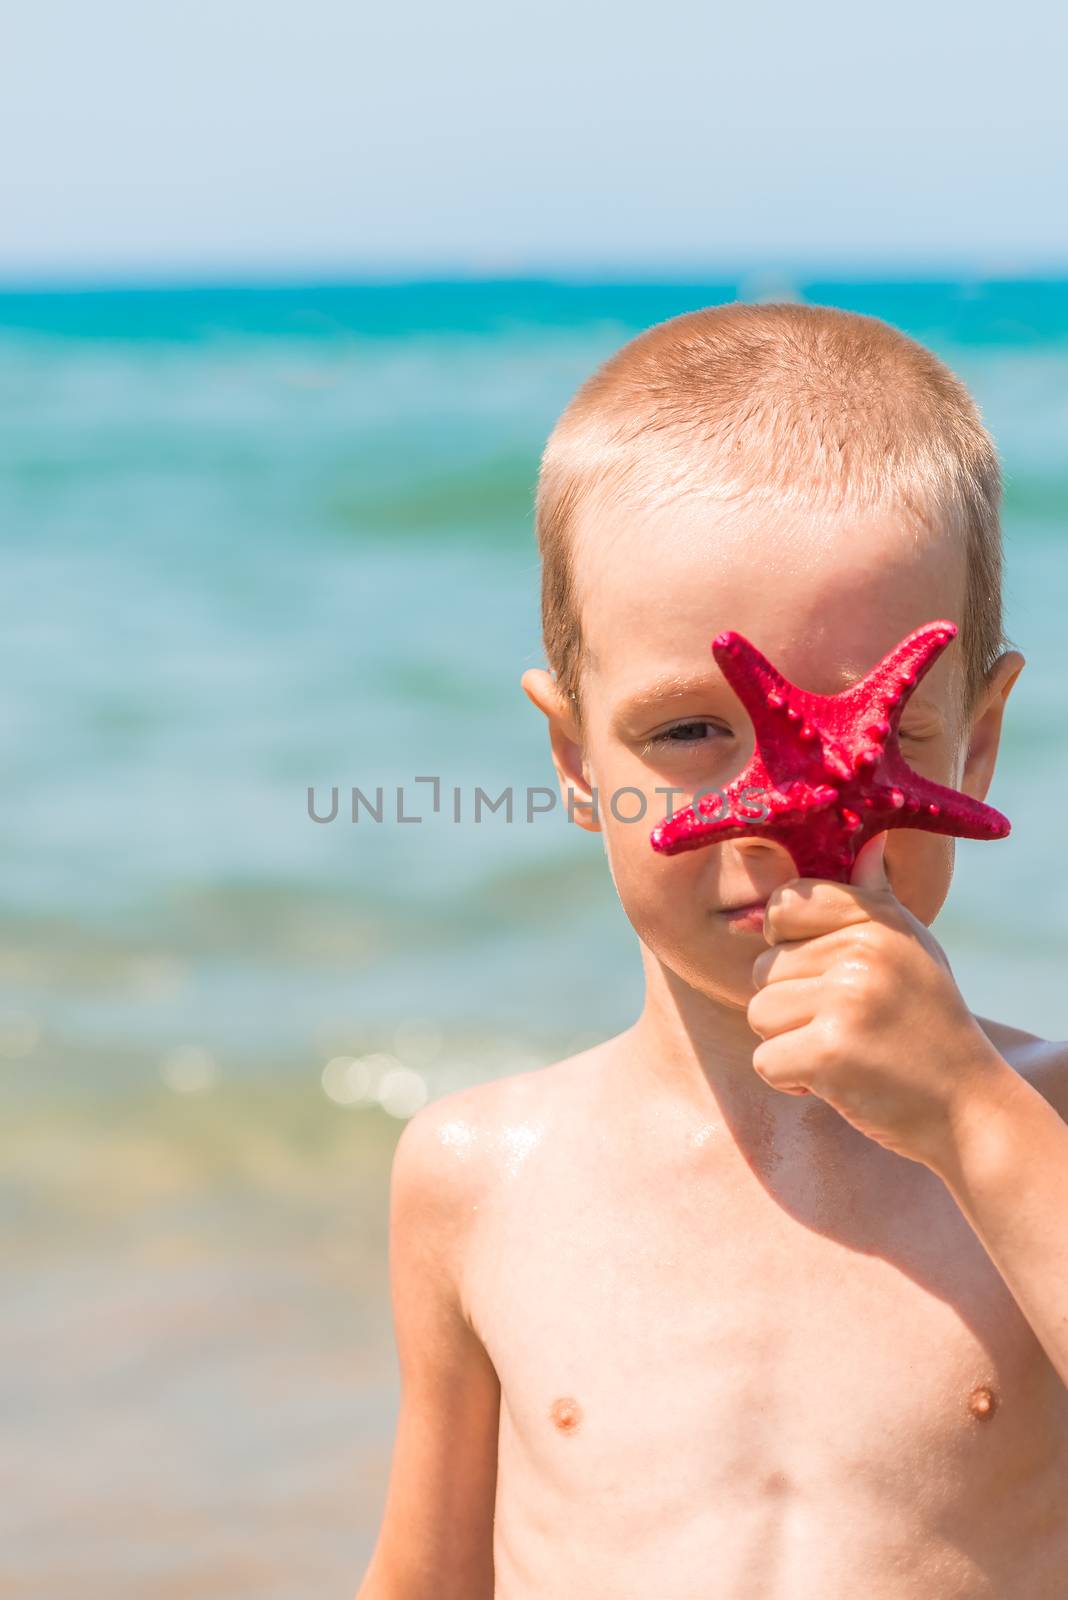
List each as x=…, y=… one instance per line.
x=766, y=861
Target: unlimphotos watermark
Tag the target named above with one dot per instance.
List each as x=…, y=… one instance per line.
x=627, y=804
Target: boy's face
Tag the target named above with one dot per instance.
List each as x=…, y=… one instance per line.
x=824, y=597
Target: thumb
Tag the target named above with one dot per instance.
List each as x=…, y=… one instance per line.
x=869, y=868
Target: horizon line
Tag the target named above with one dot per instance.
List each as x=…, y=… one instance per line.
x=766, y=279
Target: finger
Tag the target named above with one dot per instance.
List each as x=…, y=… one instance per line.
x=794, y=958
x=776, y=1061
x=807, y=907
x=869, y=868
x=780, y=1007
x=808, y=958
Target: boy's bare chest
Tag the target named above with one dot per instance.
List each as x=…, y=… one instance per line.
x=733, y=1342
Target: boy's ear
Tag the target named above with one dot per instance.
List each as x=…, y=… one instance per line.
x=568, y=757
x=985, y=732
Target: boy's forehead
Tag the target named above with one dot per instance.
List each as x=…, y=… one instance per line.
x=823, y=597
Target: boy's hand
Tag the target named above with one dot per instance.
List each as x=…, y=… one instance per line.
x=856, y=1003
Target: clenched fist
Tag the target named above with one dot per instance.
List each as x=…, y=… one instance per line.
x=856, y=1002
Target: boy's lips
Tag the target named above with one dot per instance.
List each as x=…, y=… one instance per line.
x=750, y=911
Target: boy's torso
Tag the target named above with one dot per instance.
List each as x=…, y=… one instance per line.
x=728, y=1371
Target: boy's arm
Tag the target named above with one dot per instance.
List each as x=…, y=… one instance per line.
x=1007, y=1169
x=856, y=1001
x=436, y=1537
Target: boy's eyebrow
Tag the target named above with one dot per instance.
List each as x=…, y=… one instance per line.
x=670, y=686
x=675, y=685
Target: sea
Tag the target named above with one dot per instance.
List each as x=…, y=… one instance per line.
x=261, y=543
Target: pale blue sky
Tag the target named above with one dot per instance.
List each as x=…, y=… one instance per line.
x=227, y=138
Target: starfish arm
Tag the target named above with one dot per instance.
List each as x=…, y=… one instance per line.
x=751, y=675
x=893, y=679
x=686, y=831
x=715, y=815
x=935, y=808
x=752, y=807
x=714, y=810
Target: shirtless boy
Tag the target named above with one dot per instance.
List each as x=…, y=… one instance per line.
x=767, y=1297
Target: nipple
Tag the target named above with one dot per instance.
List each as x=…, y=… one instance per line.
x=566, y=1414
x=983, y=1403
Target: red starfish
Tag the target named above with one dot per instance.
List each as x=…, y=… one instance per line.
x=827, y=772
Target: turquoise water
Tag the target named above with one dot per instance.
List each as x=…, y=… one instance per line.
x=261, y=539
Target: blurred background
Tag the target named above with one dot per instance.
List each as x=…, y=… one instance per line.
x=289, y=301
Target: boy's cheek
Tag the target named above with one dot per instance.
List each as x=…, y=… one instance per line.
x=654, y=889
x=920, y=868
x=672, y=906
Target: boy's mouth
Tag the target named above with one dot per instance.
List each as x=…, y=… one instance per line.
x=751, y=912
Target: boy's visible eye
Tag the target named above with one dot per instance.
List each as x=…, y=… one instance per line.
x=684, y=733
x=688, y=734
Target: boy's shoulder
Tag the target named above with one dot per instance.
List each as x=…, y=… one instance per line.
x=1043, y=1063
x=459, y=1144
x=462, y=1144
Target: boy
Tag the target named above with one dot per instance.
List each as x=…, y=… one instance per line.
x=767, y=1297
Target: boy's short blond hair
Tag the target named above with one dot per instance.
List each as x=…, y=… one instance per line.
x=800, y=406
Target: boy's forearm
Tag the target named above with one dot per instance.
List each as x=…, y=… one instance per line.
x=380, y=1582
x=1009, y=1175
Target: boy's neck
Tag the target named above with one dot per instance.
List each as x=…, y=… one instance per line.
x=695, y=1053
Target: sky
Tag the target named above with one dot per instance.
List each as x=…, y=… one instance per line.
x=222, y=138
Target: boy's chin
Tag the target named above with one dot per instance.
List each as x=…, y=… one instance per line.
x=720, y=966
